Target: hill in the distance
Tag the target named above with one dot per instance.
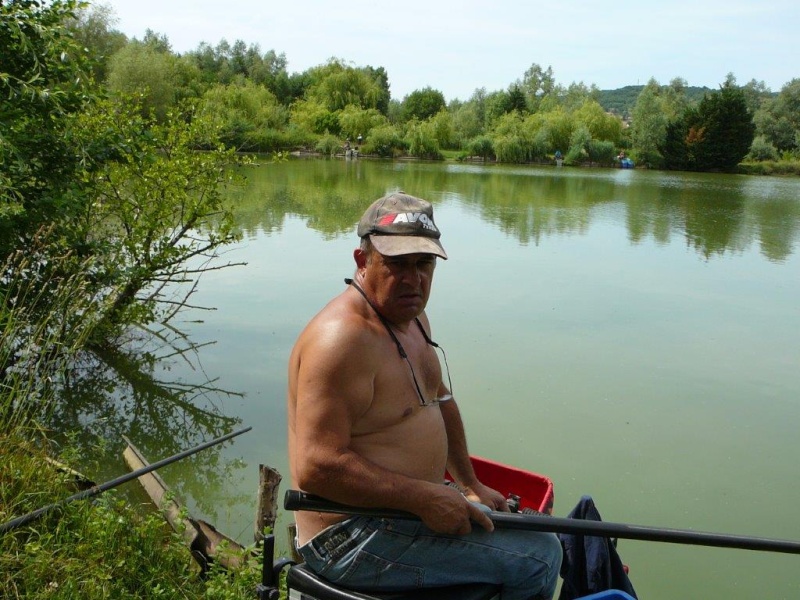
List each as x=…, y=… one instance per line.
x=622, y=100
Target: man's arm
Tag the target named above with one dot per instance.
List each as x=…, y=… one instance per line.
x=458, y=463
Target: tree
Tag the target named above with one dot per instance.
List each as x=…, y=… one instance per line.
x=649, y=125
x=154, y=205
x=516, y=100
x=381, y=79
x=245, y=113
x=715, y=136
x=536, y=84
x=600, y=124
x=93, y=29
x=337, y=85
x=423, y=104
x=43, y=80
x=147, y=70
x=355, y=121
x=728, y=129
x=314, y=117
x=778, y=119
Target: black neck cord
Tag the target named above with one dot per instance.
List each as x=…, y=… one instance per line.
x=400, y=348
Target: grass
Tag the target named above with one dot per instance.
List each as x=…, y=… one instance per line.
x=771, y=167
x=93, y=549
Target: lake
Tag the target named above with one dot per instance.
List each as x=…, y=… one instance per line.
x=633, y=335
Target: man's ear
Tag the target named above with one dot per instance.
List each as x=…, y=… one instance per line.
x=360, y=257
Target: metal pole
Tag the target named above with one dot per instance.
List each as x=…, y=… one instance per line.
x=296, y=500
x=99, y=489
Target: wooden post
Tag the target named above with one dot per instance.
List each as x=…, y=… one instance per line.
x=267, y=511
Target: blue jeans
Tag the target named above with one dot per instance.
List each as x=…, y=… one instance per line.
x=384, y=555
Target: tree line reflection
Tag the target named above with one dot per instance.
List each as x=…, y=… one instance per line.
x=713, y=214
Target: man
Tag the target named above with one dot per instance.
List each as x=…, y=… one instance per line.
x=371, y=423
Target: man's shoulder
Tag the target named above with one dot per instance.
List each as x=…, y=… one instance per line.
x=339, y=325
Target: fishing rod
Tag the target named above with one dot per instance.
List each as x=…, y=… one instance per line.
x=99, y=489
x=297, y=500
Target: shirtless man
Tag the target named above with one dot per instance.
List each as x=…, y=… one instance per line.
x=371, y=423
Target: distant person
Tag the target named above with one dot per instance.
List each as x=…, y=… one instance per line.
x=371, y=423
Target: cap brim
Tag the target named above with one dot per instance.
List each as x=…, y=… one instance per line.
x=397, y=245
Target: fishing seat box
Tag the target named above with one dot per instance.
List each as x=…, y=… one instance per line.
x=303, y=584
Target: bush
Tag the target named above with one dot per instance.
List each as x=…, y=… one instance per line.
x=385, y=142
x=481, y=146
x=762, y=149
x=422, y=142
x=328, y=145
x=601, y=152
x=511, y=149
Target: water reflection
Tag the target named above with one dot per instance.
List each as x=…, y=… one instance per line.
x=113, y=393
x=714, y=214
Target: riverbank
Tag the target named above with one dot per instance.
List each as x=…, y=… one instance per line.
x=771, y=167
x=103, y=548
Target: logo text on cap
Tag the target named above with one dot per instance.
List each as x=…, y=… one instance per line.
x=410, y=217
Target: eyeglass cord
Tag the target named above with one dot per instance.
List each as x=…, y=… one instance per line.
x=402, y=350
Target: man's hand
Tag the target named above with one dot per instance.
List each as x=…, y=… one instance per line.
x=448, y=511
x=486, y=495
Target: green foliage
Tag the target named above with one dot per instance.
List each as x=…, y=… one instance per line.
x=225, y=64
x=94, y=550
x=47, y=312
x=715, y=137
x=43, y=79
x=511, y=140
x=355, y=121
x=762, y=150
x=601, y=152
x=778, y=119
x=511, y=148
x=557, y=127
x=622, y=100
x=155, y=203
x=784, y=166
x=516, y=100
x=385, y=141
x=423, y=104
x=649, y=128
x=600, y=124
x=422, y=142
x=578, y=144
x=328, y=145
x=482, y=146
x=537, y=83
x=244, y=112
x=314, y=117
x=495, y=105
x=147, y=71
x=92, y=29
x=337, y=85
x=467, y=123
x=442, y=126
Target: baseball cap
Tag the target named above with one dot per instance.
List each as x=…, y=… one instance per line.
x=401, y=224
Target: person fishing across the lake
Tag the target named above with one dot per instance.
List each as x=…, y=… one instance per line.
x=372, y=424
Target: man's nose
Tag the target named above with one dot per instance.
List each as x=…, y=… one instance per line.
x=412, y=273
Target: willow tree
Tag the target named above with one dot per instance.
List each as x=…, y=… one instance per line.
x=337, y=85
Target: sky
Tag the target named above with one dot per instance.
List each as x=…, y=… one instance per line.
x=458, y=47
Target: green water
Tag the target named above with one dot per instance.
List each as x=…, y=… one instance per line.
x=633, y=335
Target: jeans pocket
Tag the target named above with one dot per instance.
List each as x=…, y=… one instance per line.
x=368, y=570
